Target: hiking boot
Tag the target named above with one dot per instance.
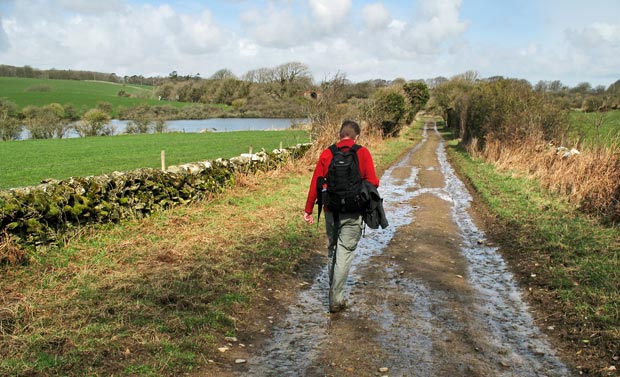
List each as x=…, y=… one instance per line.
x=337, y=307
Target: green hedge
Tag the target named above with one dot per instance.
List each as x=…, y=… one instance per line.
x=40, y=215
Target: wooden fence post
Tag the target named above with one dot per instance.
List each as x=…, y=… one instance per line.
x=163, y=160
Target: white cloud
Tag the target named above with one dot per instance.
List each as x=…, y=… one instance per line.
x=124, y=41
x=369, y=39
x=599, y=35
x=90, y=7
x=594, y=50
x=376, y=16
x=330, y=14
x=438, y=23
x=247, y=48
x=397, y=27
x=147, y=39
x=274, y=27
x=288, y=25
x=427, y=34
x=4, y=39
x=197, y=35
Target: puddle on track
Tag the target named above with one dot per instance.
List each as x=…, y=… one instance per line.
x=499, y=301
x=296, y=345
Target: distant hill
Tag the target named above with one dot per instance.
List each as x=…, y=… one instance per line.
x=84, y=95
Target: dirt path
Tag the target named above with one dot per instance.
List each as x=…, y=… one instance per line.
x=428, y=296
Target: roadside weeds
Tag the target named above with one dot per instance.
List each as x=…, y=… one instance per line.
x=566, y=262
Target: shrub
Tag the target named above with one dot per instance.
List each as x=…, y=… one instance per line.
x=417, y=96
x=591, y=103
x=139, y=125
x=239, y=103
x=94, y=123
x=507, y=110
x=160, y=126
x=509, y=124
x=386, y=109
x=35, y=122
x=10, y=128
x=106, y=107
x=39, y=88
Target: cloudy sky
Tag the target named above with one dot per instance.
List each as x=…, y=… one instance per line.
x=569, y=40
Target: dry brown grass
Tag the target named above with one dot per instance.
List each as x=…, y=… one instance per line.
x=370, y=138
x=182, y=277
x=590, y=180
x=10, y=252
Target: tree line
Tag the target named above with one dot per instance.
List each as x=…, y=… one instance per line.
x=288, y=91
x=510, y=109
x=513, y=123
x=284, y=91
x=67, y=74
x=53, y=121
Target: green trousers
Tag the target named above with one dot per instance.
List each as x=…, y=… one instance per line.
x=342, y=241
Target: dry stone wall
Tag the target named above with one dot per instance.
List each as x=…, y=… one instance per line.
x=40, y=215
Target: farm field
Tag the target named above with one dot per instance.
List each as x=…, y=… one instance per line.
x=596, y=128
x=27, y=162
x=84, y=95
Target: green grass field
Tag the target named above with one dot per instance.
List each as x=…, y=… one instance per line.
x=596, y=127
x=27, y=162
x=84, y=95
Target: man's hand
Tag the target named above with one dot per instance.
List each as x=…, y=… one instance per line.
x=308, y=218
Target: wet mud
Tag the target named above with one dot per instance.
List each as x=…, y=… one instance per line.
x=428, y=296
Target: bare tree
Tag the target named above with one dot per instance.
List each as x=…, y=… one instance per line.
x=223, y=74
x=260, y=76
x=321, y=108
x=290, y=76
x=289, y=72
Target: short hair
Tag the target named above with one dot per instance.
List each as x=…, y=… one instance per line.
x=349, y=129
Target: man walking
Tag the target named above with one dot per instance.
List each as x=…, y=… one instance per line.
x=343, y=219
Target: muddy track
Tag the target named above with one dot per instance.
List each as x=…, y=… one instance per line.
x=427, y=297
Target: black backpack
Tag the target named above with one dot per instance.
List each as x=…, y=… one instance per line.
x=344, y=181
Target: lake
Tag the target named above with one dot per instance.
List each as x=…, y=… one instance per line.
x=206, y=125
x=221, y=124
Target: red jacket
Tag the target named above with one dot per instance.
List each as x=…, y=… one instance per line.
x=367, y=168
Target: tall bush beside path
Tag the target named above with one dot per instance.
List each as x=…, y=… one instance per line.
x=509, y=124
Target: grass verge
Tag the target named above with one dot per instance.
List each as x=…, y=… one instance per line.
x=567, y=262
x=158, y=296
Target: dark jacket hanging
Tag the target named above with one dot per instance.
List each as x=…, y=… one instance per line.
x=374, y=215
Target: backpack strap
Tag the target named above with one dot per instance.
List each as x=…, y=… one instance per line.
x=320, y=189
x=334, y=149
x=354, y=148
